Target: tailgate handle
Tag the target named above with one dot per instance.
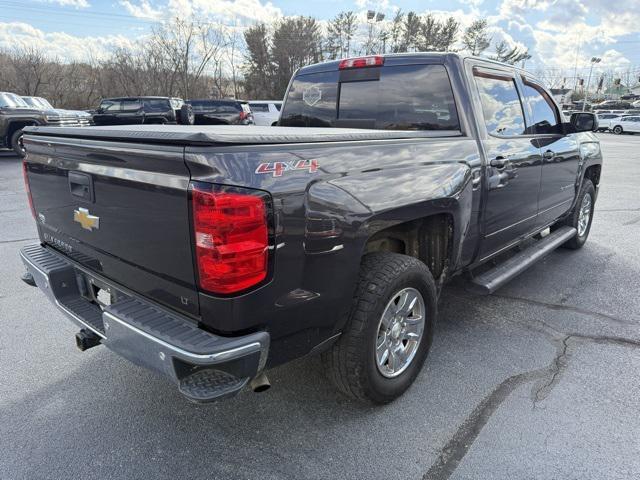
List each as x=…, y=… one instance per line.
x=81, y=186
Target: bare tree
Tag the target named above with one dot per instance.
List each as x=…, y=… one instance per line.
x=191, y=48
x=31, y=69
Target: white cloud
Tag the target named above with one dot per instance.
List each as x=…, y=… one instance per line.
x=144, y=9
x=69, y=3
x=227, y=11
x=59, y=44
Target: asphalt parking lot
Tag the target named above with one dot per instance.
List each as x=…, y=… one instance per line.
x=539, y=381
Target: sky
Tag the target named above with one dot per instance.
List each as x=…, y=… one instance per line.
x=562, y=35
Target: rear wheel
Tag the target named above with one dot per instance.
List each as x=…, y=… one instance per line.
x=17, y=143
x=388, y=333
x=617, y=129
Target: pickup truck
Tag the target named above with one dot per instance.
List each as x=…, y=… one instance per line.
x=16, y=113
x=211, y=254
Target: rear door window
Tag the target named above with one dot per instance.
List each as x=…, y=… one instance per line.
x=131, y=105
x=157, y=105
x=501, y=106
x=407, y=97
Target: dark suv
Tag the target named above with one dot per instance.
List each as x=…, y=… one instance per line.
x=221, y=112
x=138, y=110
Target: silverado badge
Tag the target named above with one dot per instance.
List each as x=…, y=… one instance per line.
x=84, y=218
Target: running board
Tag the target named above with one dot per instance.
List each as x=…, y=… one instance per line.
x=495, y=278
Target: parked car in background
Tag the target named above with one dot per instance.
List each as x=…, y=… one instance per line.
x=139, y=110
x=605, y=119
x=221, y=112
x=613, y=105
x=627, y=124
x=68, y=117
x=16, y=114
x=265, y=112
x=633, y=111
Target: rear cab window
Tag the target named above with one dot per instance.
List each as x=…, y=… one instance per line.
x=214, y=106
x=402, y=97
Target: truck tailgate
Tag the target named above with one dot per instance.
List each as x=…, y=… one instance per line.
x=118, y=209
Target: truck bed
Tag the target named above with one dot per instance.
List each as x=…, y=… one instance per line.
x=231, y=134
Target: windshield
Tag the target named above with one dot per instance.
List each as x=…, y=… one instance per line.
x=38, y=102
x=11, y=100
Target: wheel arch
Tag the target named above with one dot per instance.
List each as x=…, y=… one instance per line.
x=14, y=125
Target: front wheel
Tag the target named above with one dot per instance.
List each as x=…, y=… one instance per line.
x=617, y=129
x=17, y=143
x=388, y=334
x=582, y=215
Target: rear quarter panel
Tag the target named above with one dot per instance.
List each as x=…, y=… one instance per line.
x=324, y=212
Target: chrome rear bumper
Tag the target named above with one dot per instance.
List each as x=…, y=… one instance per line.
x=203, y=365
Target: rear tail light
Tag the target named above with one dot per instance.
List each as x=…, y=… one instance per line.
x=231, y=237
x=25, y=174
x=361, y=62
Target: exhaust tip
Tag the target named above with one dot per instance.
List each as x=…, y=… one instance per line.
x=260, y=383
x=86, y=339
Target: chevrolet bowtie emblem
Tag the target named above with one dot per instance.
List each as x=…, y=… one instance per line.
x=84, y=218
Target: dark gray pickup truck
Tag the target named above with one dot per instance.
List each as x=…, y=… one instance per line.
x=211, y=254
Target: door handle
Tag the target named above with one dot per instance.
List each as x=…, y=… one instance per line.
x=499, y=162
x=549, y=155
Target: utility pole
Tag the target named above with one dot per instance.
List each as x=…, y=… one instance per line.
x=594, y=60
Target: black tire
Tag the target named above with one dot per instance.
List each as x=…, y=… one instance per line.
x=617, y=130
x=186, y=115
x=573, y=220
x=351, y=362
x=17, y=145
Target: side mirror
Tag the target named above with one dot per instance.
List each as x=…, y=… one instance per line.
x=584, y=121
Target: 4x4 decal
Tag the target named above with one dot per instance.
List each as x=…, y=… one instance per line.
x=277, y=169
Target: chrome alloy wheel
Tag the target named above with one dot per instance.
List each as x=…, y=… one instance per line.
x=399, y=332
x=584, y=215
x=21, y=144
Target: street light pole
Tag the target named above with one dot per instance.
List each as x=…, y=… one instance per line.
x=594, y=60
x=373, y=17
